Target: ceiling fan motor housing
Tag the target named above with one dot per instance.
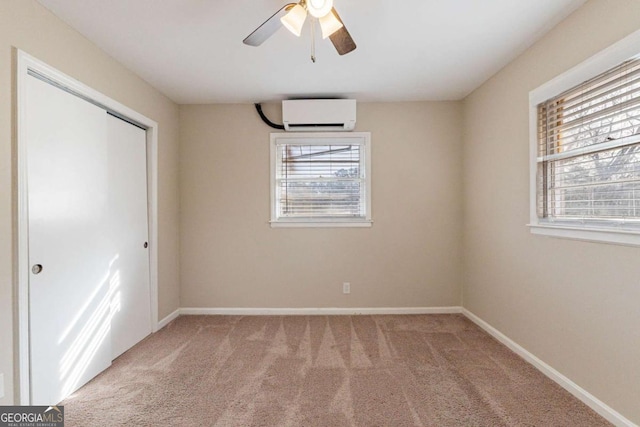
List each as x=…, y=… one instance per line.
x=319, y=8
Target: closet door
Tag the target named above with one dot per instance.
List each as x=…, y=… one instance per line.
x=89, y=287
x=131, y=307
x=72, y=257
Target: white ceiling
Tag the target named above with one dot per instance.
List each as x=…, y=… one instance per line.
x=192, y=50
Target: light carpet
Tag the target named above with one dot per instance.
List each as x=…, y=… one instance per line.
x=330, y=371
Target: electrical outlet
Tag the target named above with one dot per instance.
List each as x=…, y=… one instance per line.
x=346, y=288
x=1, y=386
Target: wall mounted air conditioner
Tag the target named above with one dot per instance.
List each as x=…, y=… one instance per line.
x=319, y=115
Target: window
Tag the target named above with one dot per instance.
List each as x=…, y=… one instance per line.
x=586, y=167
x=320, y=179
x=589, y=150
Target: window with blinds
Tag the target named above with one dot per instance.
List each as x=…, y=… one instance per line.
x=589, y=151
x=320, y=179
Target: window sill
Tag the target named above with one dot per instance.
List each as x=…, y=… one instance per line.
x=624, y=237
x=316, y=224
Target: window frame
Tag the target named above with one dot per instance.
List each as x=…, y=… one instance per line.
x=625, y=49
x=321, y=138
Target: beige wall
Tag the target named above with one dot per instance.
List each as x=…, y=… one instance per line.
x=231, y=257
x=28, y=26
x=573, y=304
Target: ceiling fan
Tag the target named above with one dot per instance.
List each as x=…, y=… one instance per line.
x=293, y=15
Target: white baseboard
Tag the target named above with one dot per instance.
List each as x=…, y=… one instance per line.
x=164, y=322
x=317, y=311
x=587, y=398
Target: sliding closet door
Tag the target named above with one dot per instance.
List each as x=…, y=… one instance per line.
x=89, y=287
x=72, y=258
x=131, y=306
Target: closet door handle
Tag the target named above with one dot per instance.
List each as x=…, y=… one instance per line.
x=36, y=269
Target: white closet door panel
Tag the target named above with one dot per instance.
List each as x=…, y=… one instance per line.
x=69, y=300
x=131, y=306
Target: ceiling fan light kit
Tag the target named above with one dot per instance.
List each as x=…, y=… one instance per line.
x=293, y=16
x=294, y=19
x=320, y=9
x=329, y=24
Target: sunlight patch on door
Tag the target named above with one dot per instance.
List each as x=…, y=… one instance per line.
x=91, y=337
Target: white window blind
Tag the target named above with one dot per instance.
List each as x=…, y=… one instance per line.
x=589, y=151
x=321, y=179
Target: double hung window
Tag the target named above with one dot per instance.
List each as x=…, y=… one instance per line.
x=587, y=156
x=589, y=150
x=320, y=179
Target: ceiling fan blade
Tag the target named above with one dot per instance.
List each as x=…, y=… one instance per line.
x=268, y=28
x=341, y=39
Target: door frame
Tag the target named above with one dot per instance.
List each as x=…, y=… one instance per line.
x=25, y=65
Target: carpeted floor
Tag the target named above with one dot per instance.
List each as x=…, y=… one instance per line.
x=330, y=371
